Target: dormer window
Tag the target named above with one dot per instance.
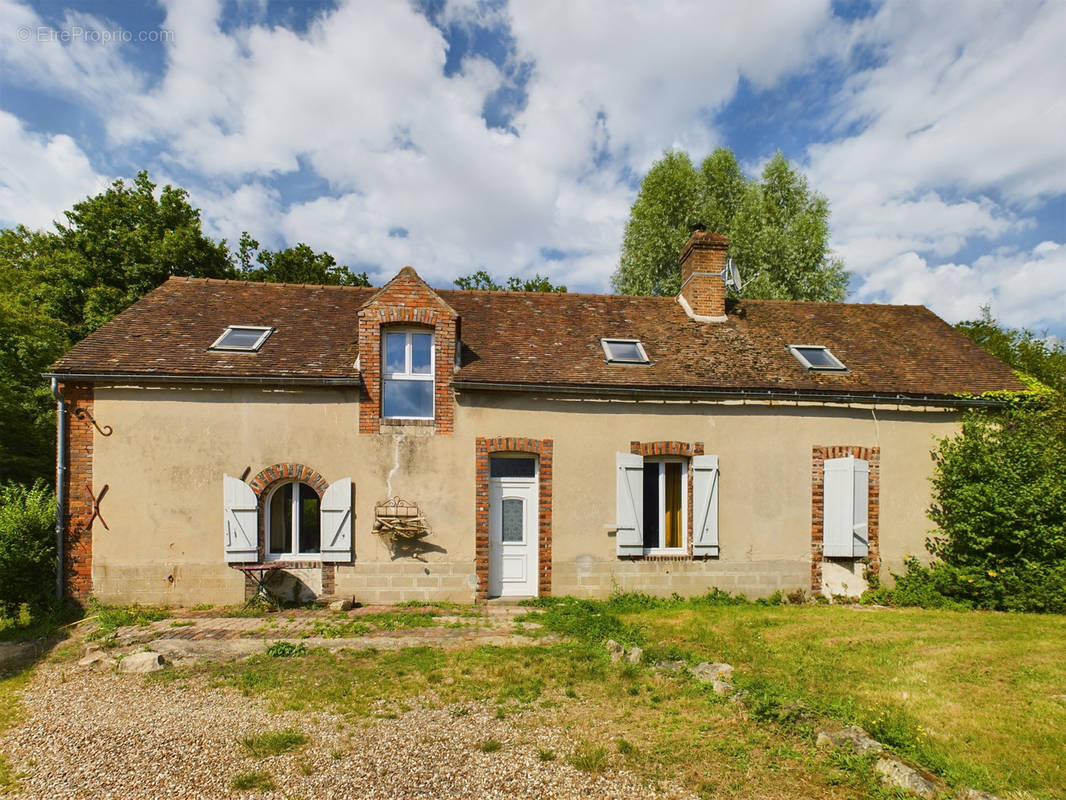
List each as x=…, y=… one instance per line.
x=816, y=358
x=242, y=338
x=407, y=374
x=624, y=351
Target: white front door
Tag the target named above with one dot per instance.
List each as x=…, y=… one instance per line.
x=513, y=537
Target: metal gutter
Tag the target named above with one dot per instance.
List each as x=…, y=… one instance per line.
x=61, y=480
x=156, y=377
x=731, y=394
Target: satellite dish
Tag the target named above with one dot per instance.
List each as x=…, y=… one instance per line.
x=734, y=275
x=730, y=275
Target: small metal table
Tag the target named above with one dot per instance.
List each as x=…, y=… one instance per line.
x=257, y=576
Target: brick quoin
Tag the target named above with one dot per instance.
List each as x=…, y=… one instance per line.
x=77, y=529
x=819, y=454
x=407, y=301
x=542, y=449
x=683, y=450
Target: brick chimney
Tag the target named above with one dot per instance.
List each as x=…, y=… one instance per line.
x=703, y=259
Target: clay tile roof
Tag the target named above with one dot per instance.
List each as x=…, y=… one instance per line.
x=523, y=338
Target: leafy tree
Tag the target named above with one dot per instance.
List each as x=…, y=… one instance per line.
x=299, y=264
x=1021, y=349
x=29, y=341
x=27, y=545
x=482, y=281
x=124, y=242
x=778, y=227
x=999, y=504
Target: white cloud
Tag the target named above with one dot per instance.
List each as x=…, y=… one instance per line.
x=1023, y=289
x=362, y=99
x=967, y=101
x=945, y=144
x=40, y=175
x=83, y=56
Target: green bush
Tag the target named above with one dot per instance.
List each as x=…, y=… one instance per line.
x=27, y=546
x=999, y=503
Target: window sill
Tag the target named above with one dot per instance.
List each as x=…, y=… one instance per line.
x=293, y=561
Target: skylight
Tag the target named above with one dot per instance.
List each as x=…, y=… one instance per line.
x=624, y=351
x=816, y=358
x=242, y=338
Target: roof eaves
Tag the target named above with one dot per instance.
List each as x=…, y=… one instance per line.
x=682, y=393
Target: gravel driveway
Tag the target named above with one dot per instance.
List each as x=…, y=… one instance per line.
x=93, y=734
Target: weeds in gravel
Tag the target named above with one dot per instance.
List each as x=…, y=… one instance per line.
x=256, y=781
x=588, y=757
x=109, y=619
x=490, y=746
x=274, y=743
x=339, y=628
x=286, y=650
x=397, y=620
x=546, y=755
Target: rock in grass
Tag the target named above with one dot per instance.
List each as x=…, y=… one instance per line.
x=141, y=663
x=898, y=774
x=723, y=688
x=615, y=649
x=670, y=666
x=634, y=655
x=707, y=672
x=344, y=604
x=854, y=737
x=977, y=794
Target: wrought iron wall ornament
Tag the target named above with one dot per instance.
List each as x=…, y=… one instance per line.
x=96, y=504
x=83, y=414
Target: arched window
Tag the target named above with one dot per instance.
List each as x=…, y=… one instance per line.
x=293, y=524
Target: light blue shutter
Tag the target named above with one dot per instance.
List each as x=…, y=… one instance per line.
x=240, y=521
x=705, y=505
x=845, y=493
x=861, y=510
x=336, y=518
x=629, y=538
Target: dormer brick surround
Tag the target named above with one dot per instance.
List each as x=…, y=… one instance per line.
x=407, y=300
x=703, y=258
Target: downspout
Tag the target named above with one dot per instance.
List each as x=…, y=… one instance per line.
x=61, y=480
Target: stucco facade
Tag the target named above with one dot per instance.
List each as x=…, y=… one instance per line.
x=171, y=445
x=408, y=443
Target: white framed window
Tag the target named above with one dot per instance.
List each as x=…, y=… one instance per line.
x=652, y=510
x=407, y=361
x=816, y=358
x=624, y=351
x=665, y=507
x=242, y=338
x=293, y=522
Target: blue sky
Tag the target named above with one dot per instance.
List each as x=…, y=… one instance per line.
x=457, y=135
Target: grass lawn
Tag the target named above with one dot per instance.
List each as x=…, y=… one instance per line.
x=967, y=694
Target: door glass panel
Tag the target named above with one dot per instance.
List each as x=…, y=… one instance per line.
x=512, y=527
x=512, y=468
